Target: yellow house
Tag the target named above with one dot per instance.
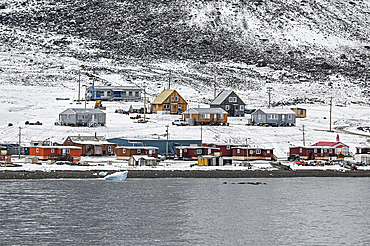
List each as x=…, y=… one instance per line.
x=169, y=102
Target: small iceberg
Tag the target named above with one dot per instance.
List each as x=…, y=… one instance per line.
x=118, y=176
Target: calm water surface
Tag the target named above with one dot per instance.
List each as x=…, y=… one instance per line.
x=290, y=211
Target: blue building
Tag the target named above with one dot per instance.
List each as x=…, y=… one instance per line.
x=121, y=93
x=161, y=144
x=230, y=102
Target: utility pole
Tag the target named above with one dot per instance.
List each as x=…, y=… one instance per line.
x=79, y=84
x=144, y=103
x=85, y=95
x=201, y=134
x=269, y=89
x=169, y=81
x=246, y=141
x=167, y=141
x=304, y=143
x=19, y=145
x=331, y=105
x=214, y=87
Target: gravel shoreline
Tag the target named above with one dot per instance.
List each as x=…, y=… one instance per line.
x=182, y=174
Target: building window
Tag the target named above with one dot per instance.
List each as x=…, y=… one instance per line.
x=52, y=150
x=238, y=151
x=179, y=106
x=199, y=152
x=109, y=148
x=269, y=116
x=258, y=151
x=138, y=151
x=235, y=99
x=166, y=106
x=130, y=93
x=325, y=150
x=315, y=150
x=37, y=150
x=156, y=106
x=168, y=100
x=136, y=94
x=98, y=93
x=185, y=150
x=227, y=147
x=330, y=151
x=268, y=151
x=221, y=116
x=300, y=150
x=227, y=107
x=205, y=116
x=241, y=107
x=68, y=151
x=176, y=98
x=123, y=151
x=231, y=99
x=290, y=117
x=108, y=93
x=172, y=98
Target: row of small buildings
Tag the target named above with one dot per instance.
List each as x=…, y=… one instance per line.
x=226, y=104
x=148, y=151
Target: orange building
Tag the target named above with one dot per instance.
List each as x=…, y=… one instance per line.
x=43, y=152
x=169, y=102
x=205, y=116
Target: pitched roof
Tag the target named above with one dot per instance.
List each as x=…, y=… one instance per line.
x=114, y=88
x=163, y=96
x=222, y=97
x=82, y=111
x=276, y=111
x=89, y=139
x=205, y=111
x=330, y=144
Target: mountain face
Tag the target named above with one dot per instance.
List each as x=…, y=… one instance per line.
x=294, y=41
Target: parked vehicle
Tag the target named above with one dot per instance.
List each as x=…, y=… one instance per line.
x=180, y=122
x=294, y=158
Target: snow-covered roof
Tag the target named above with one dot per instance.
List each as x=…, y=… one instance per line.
x=114, y=88
x=56, y=147
x=137, y=147
x=276, y=111
x=145, y=157
x=82, y=111
x=222, y=96
x=87, y=138
x=205, y=111
x=246, y=148
x=195, y=147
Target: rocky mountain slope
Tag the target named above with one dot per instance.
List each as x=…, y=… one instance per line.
x=246, y=45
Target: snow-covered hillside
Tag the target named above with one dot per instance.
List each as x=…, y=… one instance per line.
x=313, y=50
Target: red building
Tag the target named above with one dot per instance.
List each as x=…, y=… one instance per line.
x=44, y=152
x=125, y=152
x=321, y=151
x=91, y=145
x=225, y=149
x=192, y=152
x=251, y=153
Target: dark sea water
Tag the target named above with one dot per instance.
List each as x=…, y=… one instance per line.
x=288, y=211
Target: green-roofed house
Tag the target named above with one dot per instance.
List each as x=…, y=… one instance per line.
x=229, y=101
x=169, y=102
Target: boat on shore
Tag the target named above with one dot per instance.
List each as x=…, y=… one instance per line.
x=118, y=176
